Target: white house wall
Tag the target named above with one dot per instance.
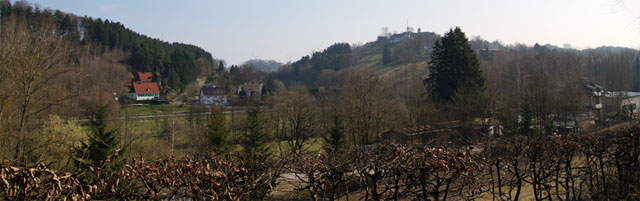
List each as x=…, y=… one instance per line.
x=138, y=97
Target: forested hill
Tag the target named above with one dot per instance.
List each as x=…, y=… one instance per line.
x=394, y=55
x=177, y=63
x=305, y=70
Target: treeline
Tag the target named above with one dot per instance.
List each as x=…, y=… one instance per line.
x=179, y=64
x=305, y=70
x=547, y=84
x=316, y=67
x=263, y=65
x=543, y=82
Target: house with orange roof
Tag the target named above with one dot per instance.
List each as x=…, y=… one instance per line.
x=144, y=91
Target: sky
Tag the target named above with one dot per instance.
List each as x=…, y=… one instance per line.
x=285, y=30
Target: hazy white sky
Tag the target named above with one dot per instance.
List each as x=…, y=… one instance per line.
x=283, y=30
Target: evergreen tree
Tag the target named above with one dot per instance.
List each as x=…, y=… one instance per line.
x=335, y=140
x=234, y=70
x=217, y=132
x=526, y=120
x=254, y=138
x=102, y=143
x=256, y=154
x=453, y=66
x=220, y=67
x=242, y=94
x=386, y=55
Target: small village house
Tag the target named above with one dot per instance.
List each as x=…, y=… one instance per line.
x=627, y=101
x=250, y=89
x=595, y=93
x=145, y=91
x=212, y=95
x=144, y=88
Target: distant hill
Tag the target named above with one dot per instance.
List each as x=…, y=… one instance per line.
x=410, y=52
x=177, y=63
x=264, y=65
x=406, y=48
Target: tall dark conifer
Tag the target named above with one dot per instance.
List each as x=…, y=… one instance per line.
x=220, y=67
x=217, y=131
x=335, y=140
x=254, y=139
x=102, y=143
x=453, y=66
x=526, y=118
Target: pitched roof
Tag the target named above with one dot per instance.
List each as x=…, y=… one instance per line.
x=145, y=76
x=145, y=88
x=450, y=124
x=213, y=91
x=251, y=86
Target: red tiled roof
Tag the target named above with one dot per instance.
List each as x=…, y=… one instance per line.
x=145, y=76
x=145, y=88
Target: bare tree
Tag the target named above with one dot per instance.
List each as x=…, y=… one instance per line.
x=365, y=107
x=31, y=61
x=296, y=117
x=385, y=32
x=170, y=128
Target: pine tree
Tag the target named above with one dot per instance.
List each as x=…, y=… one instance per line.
x=101, y=149
x=220, y=67
x=256, y=155
x=217, y=132
x=453, y=66
x=386, y=55
x=254, y=139
x=335, y=140
x=526, y=120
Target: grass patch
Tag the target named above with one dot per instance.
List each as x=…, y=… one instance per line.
x=312, y=145
x=156, y=109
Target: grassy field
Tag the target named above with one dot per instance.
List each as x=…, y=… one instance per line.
x=155, y=109
x=148, y=139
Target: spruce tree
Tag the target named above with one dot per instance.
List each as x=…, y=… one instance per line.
x=101, y=145
x=335, y=140
x=217, y=132
x=220, y=67
x=256, y=155
x=254, y=139
x=525, y=120
x=386, y=55
x=453, y=66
